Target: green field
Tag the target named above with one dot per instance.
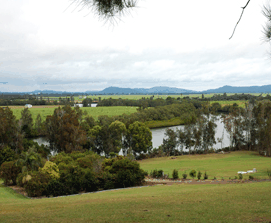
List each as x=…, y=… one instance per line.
x=216, y=165
x=242, y=202
x=240, y=103
x=94, y=112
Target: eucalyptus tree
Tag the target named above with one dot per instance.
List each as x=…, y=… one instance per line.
x=170, y=142
x=26, y=122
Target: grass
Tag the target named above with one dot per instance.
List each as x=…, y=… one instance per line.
x=223, y=103
x=176, y=203
x=216, y=165
x=94, y=112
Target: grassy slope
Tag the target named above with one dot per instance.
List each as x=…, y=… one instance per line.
x=177, y=203
x=218, y=165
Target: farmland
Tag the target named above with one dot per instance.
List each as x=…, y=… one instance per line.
x=94, y=112
x=242, y=202
x=216, y=165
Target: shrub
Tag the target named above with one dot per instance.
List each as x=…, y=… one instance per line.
x=199, y=175
x=269, y=173
x=37, y=185
x=90, y=182
x=250, y=177
x=160, y=173
x=184, y=176
x=51, y=169
x=214, y=178
x=235, y=177
x=205, y=176
x=153, y=173
x=127, y=173
x=175, y=174
x=85, y=162
x=55, y=188
x=22, y=179
x=192, y=174
x=9, y=172
x=240, y=176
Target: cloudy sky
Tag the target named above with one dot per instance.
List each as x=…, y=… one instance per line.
x=49, y=44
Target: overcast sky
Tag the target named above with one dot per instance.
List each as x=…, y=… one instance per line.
x=185, y=44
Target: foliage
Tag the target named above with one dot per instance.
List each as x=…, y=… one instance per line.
x=170, y=143
x=269, y=173
x=184, y=176
x=199, y=175
x=51, y=169
x=36, y=186
x=9, y=172
x=205, y=176
x=250, y=177
x=6, y=154
x=26, y=122
x=63, y=130
x=240, y=176
x=30, y=160
x=22, y=179
x=138, y=138
x=10, y=132
x=192, y=174
x=175, y=174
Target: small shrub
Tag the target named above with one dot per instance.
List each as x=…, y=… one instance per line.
x=269, y=173
x=250, y=177
x=199, y=175
x=205, y=177
x=175, y=174
x=214, y=178
x=240, y=176
x=235, y=177
x=193, y=174
x=160, y=173
x=154, y=173
x=184, y=176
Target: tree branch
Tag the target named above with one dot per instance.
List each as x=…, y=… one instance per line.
x=239, y=18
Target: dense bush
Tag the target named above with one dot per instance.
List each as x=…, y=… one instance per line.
x=51, y=169
x=22, y=179
x=175, y=174
x=6, y=154
x=184, y=176
x=156, y=173
x=127, y=173
x=9, y=172
x=37, y=185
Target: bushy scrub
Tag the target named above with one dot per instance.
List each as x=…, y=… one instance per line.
x=240, y=176
x=37, y=185
x=127, y=173
x=193, y=174
x=184, y=176
x=6, y=154
x=175, y=174
x=61, y=158
x=156, y=173
x=250, y=177
x=51, y=169
x=9, y=172
x=22, y=179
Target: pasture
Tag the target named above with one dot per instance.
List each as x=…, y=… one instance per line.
x=216, y=165
x=44, y=111
x=175, y=203
x=242, y=202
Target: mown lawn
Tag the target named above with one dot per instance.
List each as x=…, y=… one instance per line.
x=176, y=203
x=216, y=165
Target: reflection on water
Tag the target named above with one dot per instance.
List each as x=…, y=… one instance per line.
x=159, y=134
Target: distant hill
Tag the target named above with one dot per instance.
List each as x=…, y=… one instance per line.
x=156, y=90
x=251, y=89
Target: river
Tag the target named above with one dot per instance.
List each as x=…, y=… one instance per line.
x=159, y=134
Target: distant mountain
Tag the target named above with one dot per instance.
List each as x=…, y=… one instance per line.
x=156, y=90
x=230, y=89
